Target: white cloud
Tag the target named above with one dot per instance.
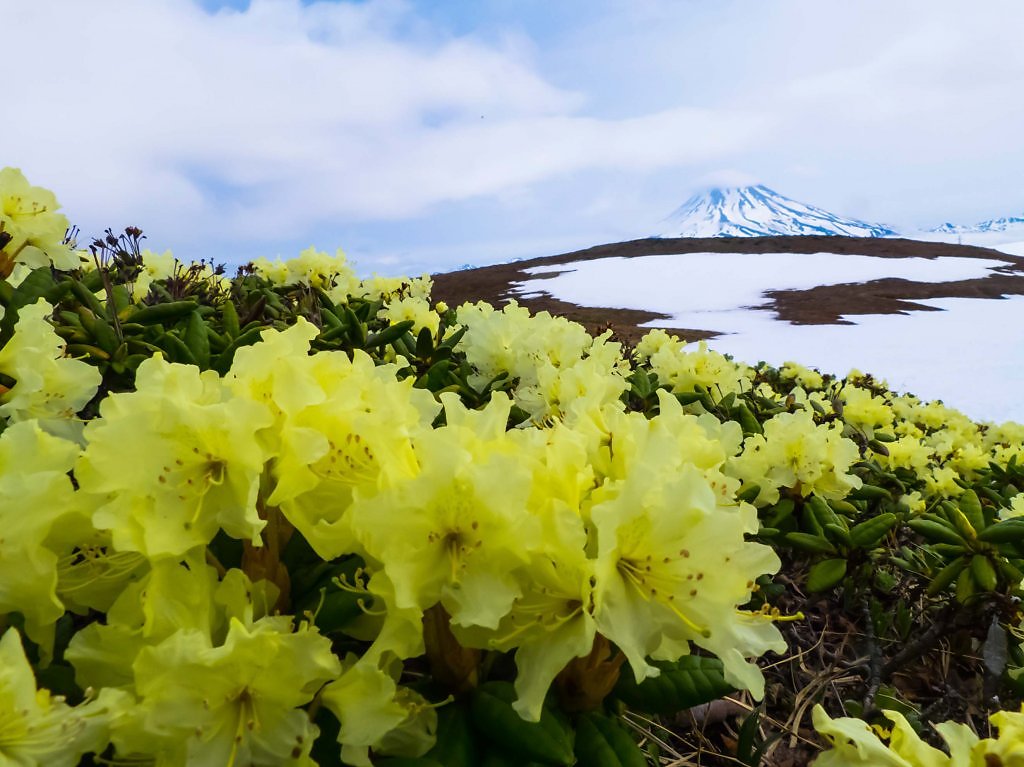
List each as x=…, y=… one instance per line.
x=152, y=112
x=268, y=125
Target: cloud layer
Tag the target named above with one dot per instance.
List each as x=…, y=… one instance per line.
x=388, y=125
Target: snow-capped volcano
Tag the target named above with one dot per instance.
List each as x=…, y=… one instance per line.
x=757, y=211
x=992, y=225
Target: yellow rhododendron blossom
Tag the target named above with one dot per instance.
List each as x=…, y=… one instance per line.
x=808, y=378
x=551, y=621
x=795, y=452
x=414, y=308
x=29, y=217
x=155, y=266
x=356, y=441
x=673, y=566
x=173, y=596
x=38, y=729
x=855, y=743
x=682, y=369
x=48, y=386
x=332, y=274
x=374, y=711
x=456, y=531
x=174, y=462
x=865, y=410
x=233, y=704
x=37, y=500
x=560, y=370
x=341, y=427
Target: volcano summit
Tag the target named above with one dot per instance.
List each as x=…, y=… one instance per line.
x=757, y=211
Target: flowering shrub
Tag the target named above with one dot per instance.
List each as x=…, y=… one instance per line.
x=296, y=517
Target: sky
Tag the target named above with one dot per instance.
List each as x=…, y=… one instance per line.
x=422, y=135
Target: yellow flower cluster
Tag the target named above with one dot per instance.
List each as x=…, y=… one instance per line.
x=48, y=387
x=533, y=540
x=560, y=371
x=681, y=369
x=591, y=525
x=796, y=453
x=335, y=276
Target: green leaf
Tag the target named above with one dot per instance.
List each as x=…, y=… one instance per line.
x=748, y=421
x=498, y=759
x=811, y=543
x=748, y=493
x=229, y=318
x=936, y=531
x=162, y=313
x=424, y=344
x=870, y=532
x=548, y=741
x=603, y=742
x=196, y=339
x=970, y=505
x=1007, y=531
x=37, y=284
x=826, y=574
x=456, y=744
x=176, y=349
x=389, y=334
x=687, y=682
x=869, y=493
x=947, y=575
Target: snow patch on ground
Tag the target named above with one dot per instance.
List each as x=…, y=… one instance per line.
x=970, y=354
x=1013, y=248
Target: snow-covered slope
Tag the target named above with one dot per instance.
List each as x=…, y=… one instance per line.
x=757, y=211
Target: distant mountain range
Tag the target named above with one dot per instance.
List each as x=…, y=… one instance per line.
x=757, y=211
x=992, y=225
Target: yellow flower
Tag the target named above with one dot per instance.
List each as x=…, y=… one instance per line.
x=375, y=712
x=854, y=743
x=808, y=378
x=682, y=369
x=36, y=500
x=233, y=704
x=49, y=386
x=171, y=597
x=155, y=266
x=455, y=532
x=28, y=216
x=561, y=371
x=174, y=462
x=341, y=428
x=38, y=729
x=794, y=452
x=416, y=309
x=673, y=566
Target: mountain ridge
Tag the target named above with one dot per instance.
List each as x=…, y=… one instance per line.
x=991, y=225
x=757, y=211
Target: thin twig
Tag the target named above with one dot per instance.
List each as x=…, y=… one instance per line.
x=874, y=655
x=923, y=643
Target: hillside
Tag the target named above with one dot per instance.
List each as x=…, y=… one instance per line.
x=819, y=305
